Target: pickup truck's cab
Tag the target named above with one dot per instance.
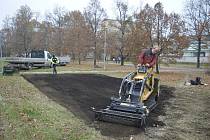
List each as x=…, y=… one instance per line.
x=40, y=54
x=45, y=55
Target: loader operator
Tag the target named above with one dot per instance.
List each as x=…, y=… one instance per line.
x=55, y=61
x=148, y=57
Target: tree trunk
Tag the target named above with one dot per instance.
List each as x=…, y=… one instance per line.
x=150, y=37
x=199, y=51
x=79, y=60
x=94, y=55
x=61, y=43
x=95, y=31
x=73, y=56
x=158, y=39
x=122, y=60
x=122, y=49
x=25, y=45
x=157, y=66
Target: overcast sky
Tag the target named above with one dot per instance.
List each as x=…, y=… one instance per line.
x=9, y=7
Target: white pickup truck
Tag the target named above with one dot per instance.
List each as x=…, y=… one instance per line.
x=36, y=58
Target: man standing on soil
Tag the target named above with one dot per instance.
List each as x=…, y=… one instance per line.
x=55, y=61
x=148, y=57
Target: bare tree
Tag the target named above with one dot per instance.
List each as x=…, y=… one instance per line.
x=123, y=19
x=45, y=36
x=143, y=30
x=197, y=17
x=57, y=20
x=152, y=26
x=137, y=40
x=22, y=32
x=146, y=18
x=23, y=29
x=175, y=37
x=7, y=35
x=37, y=37
x=94, y=15
x=159, y=21
x=77, y=34
x=110, y=34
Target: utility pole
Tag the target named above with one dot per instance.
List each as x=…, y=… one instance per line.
x=105, y=25
x=1, y=66
x=105, y=48
x=1, y=44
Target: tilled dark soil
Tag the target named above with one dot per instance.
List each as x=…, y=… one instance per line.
x=80, y=92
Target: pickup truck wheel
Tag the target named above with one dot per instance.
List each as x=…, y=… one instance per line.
x=29, y=66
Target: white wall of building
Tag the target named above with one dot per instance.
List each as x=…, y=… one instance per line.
x=190, y=55
x=192, y=59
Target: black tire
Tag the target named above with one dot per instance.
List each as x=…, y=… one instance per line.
x=97, y=116
x=29, y=66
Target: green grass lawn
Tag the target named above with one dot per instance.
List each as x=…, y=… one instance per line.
x=27, y=114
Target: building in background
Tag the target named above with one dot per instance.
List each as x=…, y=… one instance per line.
x=191, y=53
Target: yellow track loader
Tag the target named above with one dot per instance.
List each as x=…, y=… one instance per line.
x=138, y=95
